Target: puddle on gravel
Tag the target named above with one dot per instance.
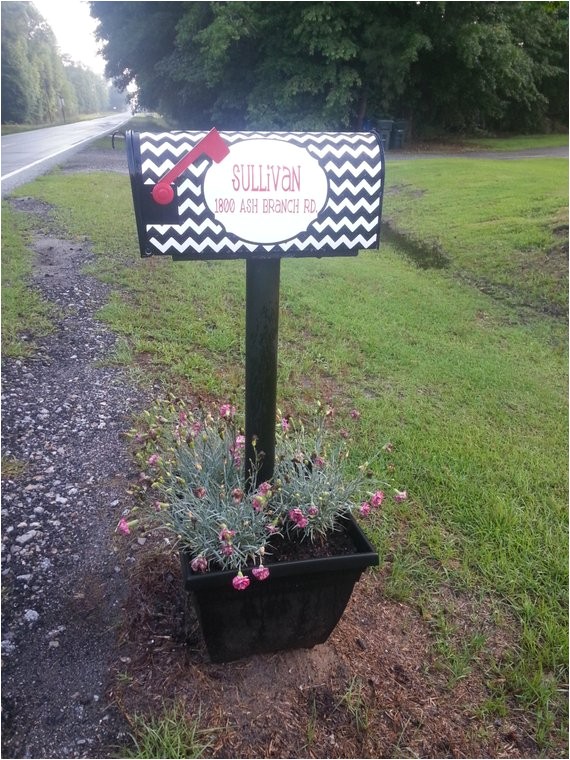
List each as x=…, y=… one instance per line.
x=423, y=255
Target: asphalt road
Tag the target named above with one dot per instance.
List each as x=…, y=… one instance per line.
x=26, y=155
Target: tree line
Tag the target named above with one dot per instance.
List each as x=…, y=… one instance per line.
x=39, y=86
x=446, y=66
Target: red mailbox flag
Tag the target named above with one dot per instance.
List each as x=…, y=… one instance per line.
x=212, y=145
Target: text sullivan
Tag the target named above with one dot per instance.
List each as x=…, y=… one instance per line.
x=266, y=178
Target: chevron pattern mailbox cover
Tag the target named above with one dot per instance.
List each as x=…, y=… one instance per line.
x=256, y=195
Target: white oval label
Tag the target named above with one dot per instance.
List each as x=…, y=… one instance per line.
x=266, y=191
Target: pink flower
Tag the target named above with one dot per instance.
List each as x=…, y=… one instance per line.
x=182, y=418
x=235, y=450
x=400, y=496
x=199, y=564
x=377, y=499
x=271, y=529
x=260, y=573
x=200, y=492
x=285, y=425
x=225, y=534
x=240, y=582
x=237, y=495
x=355, y=414
x=153, y=459
x=264, y=488
x=296, y=516
x=313, y=510
x=123, y=526
x=228, y=550
x=258, y=502
x=364, y=509
x=196, y=427
x=227, y=411
x=318, y=462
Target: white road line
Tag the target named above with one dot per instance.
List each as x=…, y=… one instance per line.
x=46, y=158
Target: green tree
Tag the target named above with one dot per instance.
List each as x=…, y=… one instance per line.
x=38, y=84
x=19, y=87
x=314, y=65
x=489, y=65
x=89, y=89
x=137, y=37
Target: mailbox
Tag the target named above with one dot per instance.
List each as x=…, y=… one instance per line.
x=256, y=195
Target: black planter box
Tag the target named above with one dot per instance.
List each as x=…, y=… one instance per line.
x=298, y=606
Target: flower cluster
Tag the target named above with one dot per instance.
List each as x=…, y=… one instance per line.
x=197, y=471
x=373, y=502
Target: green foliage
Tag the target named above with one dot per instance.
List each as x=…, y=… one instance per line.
x=23, y=311
x=355, y=701
x=32, y=74
x=139, y=40
x=89, y=90
x=17, y=74
x=314, y=65
x=170, y=735
x=491, y=64
x=38, y=85
x=196, y=467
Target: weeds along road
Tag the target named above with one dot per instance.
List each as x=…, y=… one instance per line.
x=27, y=155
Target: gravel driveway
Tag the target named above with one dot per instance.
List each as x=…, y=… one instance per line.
x=63, y=412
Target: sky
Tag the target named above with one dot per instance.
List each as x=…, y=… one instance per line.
x=74, y=30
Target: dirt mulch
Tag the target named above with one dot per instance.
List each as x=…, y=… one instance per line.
x=374, y=689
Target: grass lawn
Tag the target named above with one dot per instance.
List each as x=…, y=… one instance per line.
x=505, y=232
x=24, y=314
x=518, y=142
x=461, y=367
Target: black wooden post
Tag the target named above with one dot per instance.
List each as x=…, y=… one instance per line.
x=261, y=329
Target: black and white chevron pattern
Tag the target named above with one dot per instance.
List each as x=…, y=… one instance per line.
x=349, y=222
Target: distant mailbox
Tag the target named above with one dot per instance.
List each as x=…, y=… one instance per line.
x=256, y=195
